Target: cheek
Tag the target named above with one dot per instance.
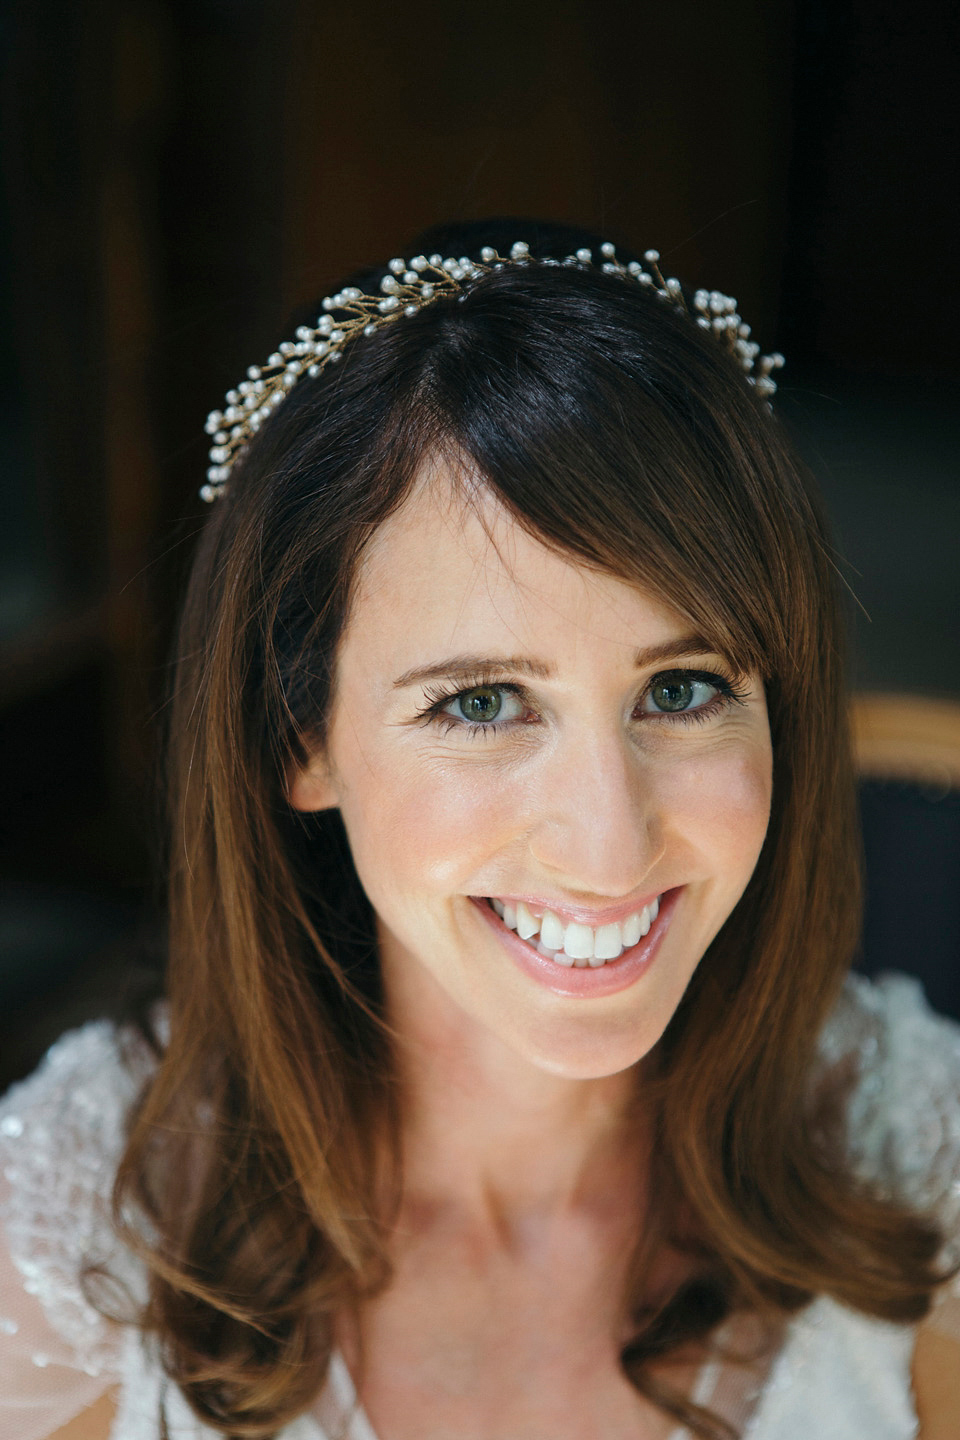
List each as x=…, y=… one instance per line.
x=722, y=803
x=424, y=826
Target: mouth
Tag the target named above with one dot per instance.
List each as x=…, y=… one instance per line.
x=575, y=959
x=570, y=943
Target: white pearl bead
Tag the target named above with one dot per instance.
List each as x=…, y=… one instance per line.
x=651, y=256
x=487, y=254
x=585, y=257
x=607, y=249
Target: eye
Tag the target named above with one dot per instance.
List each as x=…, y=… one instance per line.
x=484, y=704
x=684, y=691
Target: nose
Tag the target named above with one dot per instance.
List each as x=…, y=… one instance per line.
x=599, y=828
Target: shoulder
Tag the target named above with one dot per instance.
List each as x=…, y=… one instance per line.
x=903, y=1112
x=62, y=1133
x=842, y=1373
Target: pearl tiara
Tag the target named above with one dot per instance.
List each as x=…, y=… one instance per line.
x=406, y=288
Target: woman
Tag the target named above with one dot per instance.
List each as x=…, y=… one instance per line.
x=509, y=1086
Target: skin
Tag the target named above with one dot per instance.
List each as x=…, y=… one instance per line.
x=581, y=799
x=523, y=1175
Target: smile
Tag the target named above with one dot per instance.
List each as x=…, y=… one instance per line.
x=572, y=943
x=615, y=960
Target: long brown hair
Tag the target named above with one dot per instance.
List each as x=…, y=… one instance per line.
x=264, y=1153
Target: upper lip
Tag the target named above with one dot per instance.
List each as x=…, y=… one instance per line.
x=594, y=916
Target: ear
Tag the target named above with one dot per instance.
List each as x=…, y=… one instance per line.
x=313, y=788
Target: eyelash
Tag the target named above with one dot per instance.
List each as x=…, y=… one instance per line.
x=728, y=693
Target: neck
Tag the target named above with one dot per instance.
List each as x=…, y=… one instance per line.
x=492, y=1136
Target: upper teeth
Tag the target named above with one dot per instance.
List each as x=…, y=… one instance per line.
x=573, y=943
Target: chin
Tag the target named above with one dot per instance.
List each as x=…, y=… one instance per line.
x=591, y=1051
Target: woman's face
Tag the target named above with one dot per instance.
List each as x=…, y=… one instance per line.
x=535, y=765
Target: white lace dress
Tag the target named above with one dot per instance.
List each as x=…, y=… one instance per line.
x=838, y=1375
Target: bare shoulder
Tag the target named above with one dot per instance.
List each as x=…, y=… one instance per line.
x=94, y=1423
x=936, y=1384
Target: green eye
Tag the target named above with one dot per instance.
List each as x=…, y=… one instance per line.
x=481, y=704
x=673, y=694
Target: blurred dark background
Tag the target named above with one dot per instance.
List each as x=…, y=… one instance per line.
x=177, y=177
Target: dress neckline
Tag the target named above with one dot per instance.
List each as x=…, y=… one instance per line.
x=352, y=1423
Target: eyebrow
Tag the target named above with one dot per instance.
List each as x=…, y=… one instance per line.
x=467, y=666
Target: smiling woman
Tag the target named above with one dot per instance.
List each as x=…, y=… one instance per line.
x=509, y=1084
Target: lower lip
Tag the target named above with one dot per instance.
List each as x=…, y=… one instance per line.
x=584, y=983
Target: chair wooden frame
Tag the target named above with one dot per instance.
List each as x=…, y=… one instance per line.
x=912, y=738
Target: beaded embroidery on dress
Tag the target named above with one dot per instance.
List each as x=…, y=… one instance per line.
x=838, y=1375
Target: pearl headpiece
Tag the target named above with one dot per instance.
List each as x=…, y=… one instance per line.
x=405, y=289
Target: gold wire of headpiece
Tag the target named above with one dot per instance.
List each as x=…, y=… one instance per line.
x=405, y=289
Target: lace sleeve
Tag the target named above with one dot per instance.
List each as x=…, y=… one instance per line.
x=905, y=1116
x=61, y=1134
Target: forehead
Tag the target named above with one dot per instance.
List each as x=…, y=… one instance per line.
x=453, y=571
